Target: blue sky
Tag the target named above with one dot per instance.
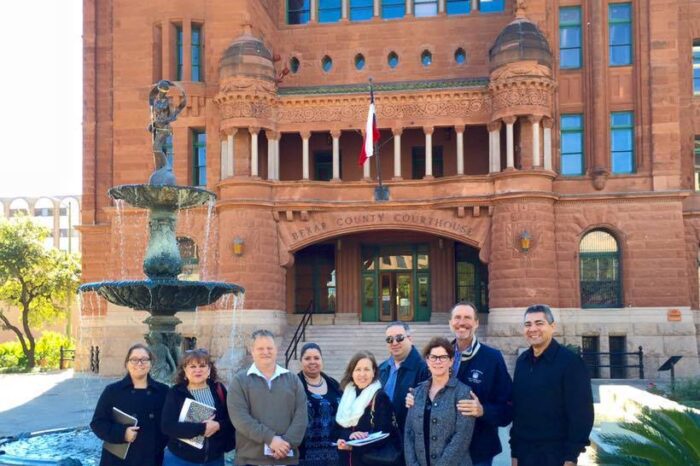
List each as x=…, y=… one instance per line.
x=41, y=82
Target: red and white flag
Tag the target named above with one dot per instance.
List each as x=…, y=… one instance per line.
x=371, y=132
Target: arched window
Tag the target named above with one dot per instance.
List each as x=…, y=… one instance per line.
x=19, y=206
x=601, y=281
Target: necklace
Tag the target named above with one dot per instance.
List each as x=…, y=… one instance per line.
x=319, y=385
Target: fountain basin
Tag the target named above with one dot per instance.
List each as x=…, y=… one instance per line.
x=60, y=447
x=161, y=296
x=147, y=196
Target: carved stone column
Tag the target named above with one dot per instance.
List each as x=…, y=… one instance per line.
x=510, y=143
x=536, y=155
x=441, y=7
x=495, y=146
x=254, y=151
x=547, y=124
x=305, y=135
x=313, y=7
x=272, y=157
x=230, y=154
x=344, y=6
x=335, y=134
x=397, y=132
x=224, y=159
x=409, y=7
x=428, y=130
x=459, y=130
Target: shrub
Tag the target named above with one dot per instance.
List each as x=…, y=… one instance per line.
x=686, y=390
x=48, y=349
x=12, y=356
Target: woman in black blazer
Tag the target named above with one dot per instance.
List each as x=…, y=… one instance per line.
x=138, y=395
x=364, y=408
x=197, y=379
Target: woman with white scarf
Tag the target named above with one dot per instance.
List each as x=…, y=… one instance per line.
x=364, y=408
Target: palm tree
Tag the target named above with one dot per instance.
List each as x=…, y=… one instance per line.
x=661, y=437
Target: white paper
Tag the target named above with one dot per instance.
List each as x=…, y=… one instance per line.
x=371, y=438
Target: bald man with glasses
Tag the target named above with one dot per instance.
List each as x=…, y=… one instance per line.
x=403, y=370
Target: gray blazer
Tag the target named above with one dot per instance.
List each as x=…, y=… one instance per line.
x=450, y=432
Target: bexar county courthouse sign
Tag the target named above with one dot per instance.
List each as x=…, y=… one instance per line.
x=321, y=225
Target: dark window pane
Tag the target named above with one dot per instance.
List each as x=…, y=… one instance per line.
x=361, y=10
x=570, y=15
x=489, y=6
x=571, y=142
x=458, y=7
x=393, y=9
x=571, y=165
x=570, y=37
x=329, y=11
x=298, y=11
x=423, y=8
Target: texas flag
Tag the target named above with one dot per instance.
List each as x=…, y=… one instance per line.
x=371, y=132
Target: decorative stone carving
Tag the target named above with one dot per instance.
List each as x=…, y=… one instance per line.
x=599, y=176
x=524, y=88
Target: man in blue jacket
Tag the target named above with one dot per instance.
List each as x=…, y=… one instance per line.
x=484, y=370
x=404, y=369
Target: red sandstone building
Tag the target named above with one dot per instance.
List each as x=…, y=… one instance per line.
x=535, y=151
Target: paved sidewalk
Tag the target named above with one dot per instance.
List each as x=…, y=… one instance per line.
x=33, y=402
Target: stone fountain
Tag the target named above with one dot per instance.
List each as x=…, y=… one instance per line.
x=162, y=294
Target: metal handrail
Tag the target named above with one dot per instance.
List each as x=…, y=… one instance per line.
x=639, y=354
x=299, y=334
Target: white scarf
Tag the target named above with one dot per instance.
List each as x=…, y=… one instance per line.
x=352, y=407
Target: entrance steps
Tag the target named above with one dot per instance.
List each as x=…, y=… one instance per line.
x=339, y=342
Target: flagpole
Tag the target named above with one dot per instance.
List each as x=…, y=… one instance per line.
x=381, y=193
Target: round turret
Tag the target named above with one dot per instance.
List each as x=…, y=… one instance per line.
x=519, y=41
x=247, y=56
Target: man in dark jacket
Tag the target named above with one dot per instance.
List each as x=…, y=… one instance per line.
x=484, y=370
x=552, y=399
x=404, y=369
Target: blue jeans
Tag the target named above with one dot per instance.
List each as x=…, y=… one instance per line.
x=172, y=460
x=484, y=463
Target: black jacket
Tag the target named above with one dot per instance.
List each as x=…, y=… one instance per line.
x=412, y=371
x=216, y=445
x=384, y=420
x=334, y=393
x=552, y=405
x=147, y=449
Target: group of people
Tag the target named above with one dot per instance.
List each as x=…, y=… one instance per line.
x=439, y=407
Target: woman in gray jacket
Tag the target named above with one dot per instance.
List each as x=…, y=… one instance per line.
x=436, y=434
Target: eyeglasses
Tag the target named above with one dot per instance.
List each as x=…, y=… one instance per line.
x=137, y=362
x=438, y=358
x=398, y=338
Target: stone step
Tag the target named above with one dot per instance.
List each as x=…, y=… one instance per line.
x=340, y=341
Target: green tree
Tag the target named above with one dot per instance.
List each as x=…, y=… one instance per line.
x=659, y=437
x=36, y=280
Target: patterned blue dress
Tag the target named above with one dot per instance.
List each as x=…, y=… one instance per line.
x=317, y=448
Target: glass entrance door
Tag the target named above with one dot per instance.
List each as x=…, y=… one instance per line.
x=395, y=283
x=396, y=291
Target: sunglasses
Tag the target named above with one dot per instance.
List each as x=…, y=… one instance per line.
x=398, y=338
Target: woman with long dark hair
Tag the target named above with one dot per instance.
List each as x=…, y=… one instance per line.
x=323, y=395
x=196, y=379
x=139, y=396
x=365, y=409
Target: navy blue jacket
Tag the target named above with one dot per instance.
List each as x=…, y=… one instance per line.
x=412, y=371
x=146, y=406
x=552, y=404
x=487, y=376
x=216, y=445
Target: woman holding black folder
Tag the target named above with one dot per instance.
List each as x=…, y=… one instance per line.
x=137, y=396
x=196, y=381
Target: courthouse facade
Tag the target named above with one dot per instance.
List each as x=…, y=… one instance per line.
x=535, y=151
